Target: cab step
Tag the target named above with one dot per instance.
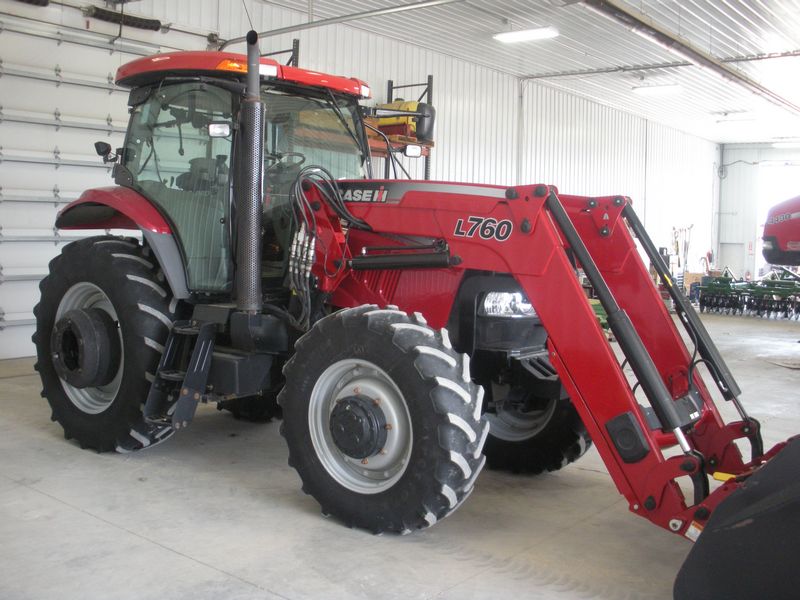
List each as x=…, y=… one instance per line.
x=195, y=340
x=172, y=375
x=186, y=328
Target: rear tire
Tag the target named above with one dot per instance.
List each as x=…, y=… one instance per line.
x=118, y=276
x=417, y=458
x=549, y=442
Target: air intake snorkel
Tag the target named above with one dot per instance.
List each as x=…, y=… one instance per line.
x=248, y=187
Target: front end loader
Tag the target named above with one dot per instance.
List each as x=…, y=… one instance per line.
x=409, y=330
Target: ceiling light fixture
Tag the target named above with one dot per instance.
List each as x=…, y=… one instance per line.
x=657, y=90
x=786, y=145
x=525, y=35
x=730, y=114
x=736, y=120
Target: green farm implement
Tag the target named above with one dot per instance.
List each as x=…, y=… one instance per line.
x=776, y=296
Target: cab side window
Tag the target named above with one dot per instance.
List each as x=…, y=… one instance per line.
x=180, y=167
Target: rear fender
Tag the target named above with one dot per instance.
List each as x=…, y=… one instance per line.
x=123, y=208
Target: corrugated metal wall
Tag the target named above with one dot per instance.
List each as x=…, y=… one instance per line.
x=585, y=148
x=681, y=190
x=578, y=145
x=56, y=101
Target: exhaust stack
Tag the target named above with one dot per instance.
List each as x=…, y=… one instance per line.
x=248, y=188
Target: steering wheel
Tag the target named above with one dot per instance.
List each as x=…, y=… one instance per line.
x=285, y=160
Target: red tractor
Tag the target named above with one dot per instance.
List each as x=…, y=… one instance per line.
x=782, y=234
x=406, y=328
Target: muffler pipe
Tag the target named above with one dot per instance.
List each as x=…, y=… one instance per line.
x=248, y=188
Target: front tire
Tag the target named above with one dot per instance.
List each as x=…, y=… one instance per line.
x=114, y=281
x=381, y=419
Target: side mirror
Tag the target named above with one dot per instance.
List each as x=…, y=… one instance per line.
x=102, y=148
x=219, y=129
x=413, y=151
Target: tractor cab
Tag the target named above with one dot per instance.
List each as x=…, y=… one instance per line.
x=182, y=147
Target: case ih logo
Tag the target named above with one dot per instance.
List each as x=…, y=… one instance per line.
x=365, y=195
x=781, y=218
x=778, y=219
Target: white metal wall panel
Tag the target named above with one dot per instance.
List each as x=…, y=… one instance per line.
x=682, y=189
x=586, y=148
x=737, y=214
x=580, y=146
x=199, y=14
x=38, y=100
x=45, y=53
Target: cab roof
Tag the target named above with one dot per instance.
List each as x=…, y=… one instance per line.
x=227, y=64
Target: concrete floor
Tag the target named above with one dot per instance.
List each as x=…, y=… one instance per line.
x=216, y=513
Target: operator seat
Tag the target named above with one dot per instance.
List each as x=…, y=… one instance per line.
x=198, y=209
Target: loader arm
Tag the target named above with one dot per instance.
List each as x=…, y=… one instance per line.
x=635, y=420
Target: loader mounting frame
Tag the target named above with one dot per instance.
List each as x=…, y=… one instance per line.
x=524, y=231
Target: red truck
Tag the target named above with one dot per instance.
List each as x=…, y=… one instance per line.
x=782, y=233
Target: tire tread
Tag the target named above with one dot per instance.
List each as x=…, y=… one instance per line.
x=452, y=405
x=142, y=311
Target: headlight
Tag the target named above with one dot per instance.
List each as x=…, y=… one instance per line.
x=768, y=245
x=506, y=304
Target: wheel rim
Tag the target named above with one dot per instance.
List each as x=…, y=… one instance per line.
x=91, y=400
x=511, y=424
x=381, y=471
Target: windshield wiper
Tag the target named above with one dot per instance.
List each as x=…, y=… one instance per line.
x=340, y=115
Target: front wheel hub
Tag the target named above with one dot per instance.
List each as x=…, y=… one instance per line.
x=85, y=348
x=358, y=426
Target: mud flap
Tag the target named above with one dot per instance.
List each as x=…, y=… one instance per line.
x=751, y=545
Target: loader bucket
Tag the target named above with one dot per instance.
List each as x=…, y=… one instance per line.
x=750, y=547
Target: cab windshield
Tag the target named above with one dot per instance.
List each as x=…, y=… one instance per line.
x=318, y=131
x=301, y=132
x=172, y=160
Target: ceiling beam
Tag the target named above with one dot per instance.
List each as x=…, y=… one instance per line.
x=656, y=66
x=639, y=23
x=344, y=18
x=606, y=70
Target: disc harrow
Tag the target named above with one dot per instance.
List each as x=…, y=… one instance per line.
x=775, y=296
